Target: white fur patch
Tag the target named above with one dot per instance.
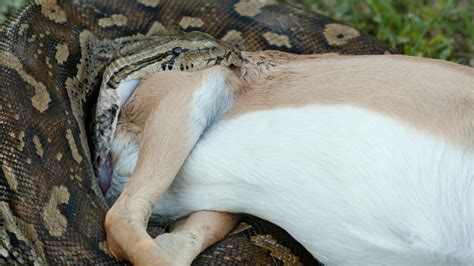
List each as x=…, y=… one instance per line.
x=212, y=100
x=125, y=89
x=125, y=150
x=353, y=186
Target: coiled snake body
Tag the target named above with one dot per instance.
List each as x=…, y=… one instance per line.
x=52, y=56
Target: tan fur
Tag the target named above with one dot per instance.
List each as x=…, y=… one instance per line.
x=434, y=96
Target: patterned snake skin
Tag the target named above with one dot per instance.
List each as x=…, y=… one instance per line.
x=51, y=208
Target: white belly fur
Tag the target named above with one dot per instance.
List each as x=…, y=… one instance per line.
x=353, y=186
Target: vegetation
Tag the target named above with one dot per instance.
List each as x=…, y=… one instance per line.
x=439, y=29
x=7, y=7
x=432, y=28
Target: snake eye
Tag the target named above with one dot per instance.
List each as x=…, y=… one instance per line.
x=177, y=51
x=218, y=51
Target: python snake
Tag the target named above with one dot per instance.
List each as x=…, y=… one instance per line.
x=51, y=207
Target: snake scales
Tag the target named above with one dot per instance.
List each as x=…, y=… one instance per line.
x=51, y=208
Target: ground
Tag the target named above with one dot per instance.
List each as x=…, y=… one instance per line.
x=431, y=28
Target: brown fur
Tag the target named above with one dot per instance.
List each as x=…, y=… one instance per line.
x=434, y=96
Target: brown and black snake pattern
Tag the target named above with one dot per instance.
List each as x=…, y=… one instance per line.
x=51, y=209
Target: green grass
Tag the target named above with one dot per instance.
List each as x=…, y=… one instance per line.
x=7, y=7
x=439, y=29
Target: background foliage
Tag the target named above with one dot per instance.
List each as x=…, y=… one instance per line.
x=9, y=6
x=439, y=29
x=432, y=28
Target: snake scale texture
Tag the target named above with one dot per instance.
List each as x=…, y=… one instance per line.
x=51, y=210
